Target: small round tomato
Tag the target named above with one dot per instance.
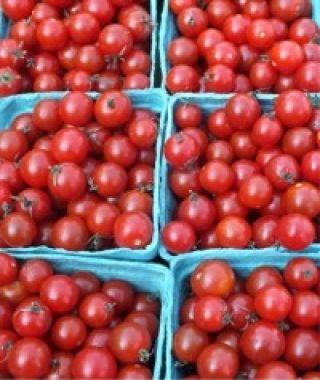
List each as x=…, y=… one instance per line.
x=70, y=233
x=273, y=303
x=305, y=311
x=59, y=293
x=113, y=109
x=233, y=232
x=264, y=231
x=28, y=349
x=67, y=181
x=182, y=78
x=9, y=269
x=76, y=109
x=301, y=274
x=198, y=211
x=32, y=318
x=295, y=232
x=130, y=343
x=18, y=229
x=211, y=314
x=276, y=370
x=214, y=278
x=262, y=277
x=178, y=237
x=293, y=108
x=33, y=273
x=189, y=341
x=255, y=192
x=94, y=363
x=302, y=349
x=133, y=230
x=287, y=56
x=52, y=34
x=216, y=177
x=262, y=342
x=218, y=360
x=242, y=111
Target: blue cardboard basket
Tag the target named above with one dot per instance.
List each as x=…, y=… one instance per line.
x=153, y=8
x=207, y=103
x=155, y=100
x=151, y=278
x=168, y=31
x=241, y=261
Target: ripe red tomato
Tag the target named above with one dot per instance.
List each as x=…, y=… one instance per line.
x=211, y=314
x=130, y=343
x=68, y=333
x=182, y=78
x=133, y=230
x=33, y=273
x=295, y=231
x=214, y=278
x=218, y=360
x=94, y=362
x=262, y=342
x=9, y=269
x=178, y=237
x=233, y=232
x=59, y=293
x=305, y=311
x=262, y=277
x=276, y=370
x=188, y=343
x=302, y=349
x=76, y=109
x=301, y=274
x=255, y=192
x=70, y=233
x=32, y=318
x=28, y=349
x=293, y=108
x=273, y=303
x=18, y=229
x=113, y=109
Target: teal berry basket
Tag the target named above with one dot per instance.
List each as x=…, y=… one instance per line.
x=207, y=103
x=150, y=278
x=168, y=31
x=241, y=261
x=154, y=12
x=155, y=100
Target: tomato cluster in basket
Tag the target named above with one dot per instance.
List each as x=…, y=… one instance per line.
x=77, y=174
x=245, y=178
x=264, y=326
x=242, y=45
x=84, y=45
x=58, y=326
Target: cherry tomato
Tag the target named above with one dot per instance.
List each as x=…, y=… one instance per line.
x=178, y=237
x=70, y=233
x=59, y=293
x=189, y=341
x=94, y=362
x=213, y=278
x=217, y=360
x=262, y=342
x=295, y=231
x=21, y=361
x=130, y=343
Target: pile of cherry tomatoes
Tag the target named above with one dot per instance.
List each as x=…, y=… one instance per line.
x=56, y=326
x=264, y=326
x=244, y=178
x=82, y=45
x=242, y=45
x=78, y=174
